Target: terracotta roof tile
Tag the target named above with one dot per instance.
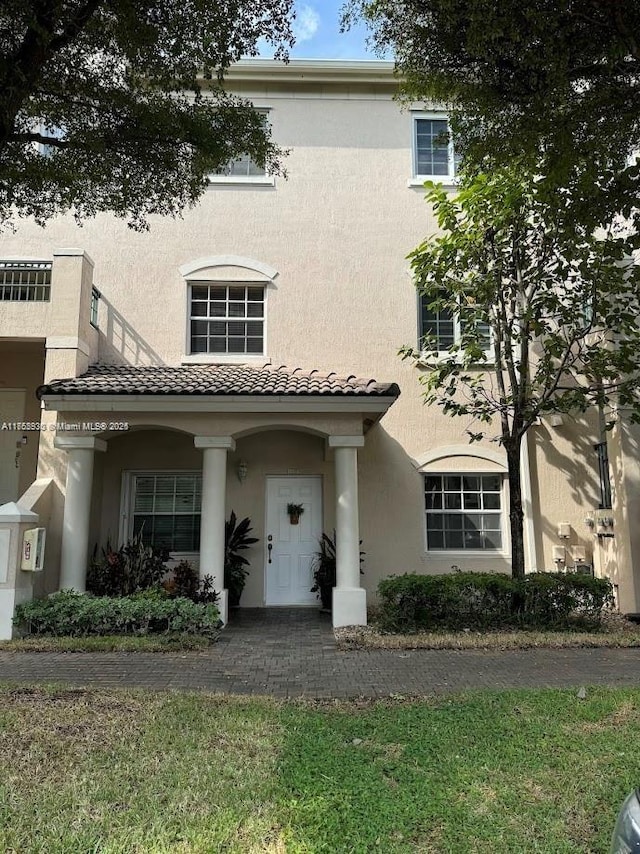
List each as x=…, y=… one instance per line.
x=214, y=380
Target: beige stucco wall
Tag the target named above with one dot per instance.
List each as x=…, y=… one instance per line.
x=337, y=231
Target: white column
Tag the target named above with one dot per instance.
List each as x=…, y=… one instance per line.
x=16, y=586
x=77, y=509
x=349, y=599
x=213, y=513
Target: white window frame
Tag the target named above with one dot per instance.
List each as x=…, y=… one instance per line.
x=226, y=357
x=444, y=553
x=250, y=272
x=418, y=178
x=127, y=504
x=264, y=179
x=440, y=355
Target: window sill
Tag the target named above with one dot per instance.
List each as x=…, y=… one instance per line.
x=447, y=181
x=472, y=553
x=251, y=180
x=224, y=359
x=432, y=360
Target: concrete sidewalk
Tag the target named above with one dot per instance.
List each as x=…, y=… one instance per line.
x=292, y=653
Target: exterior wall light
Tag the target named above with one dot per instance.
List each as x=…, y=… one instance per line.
x=242, y=471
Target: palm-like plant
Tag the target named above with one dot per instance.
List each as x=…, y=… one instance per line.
x=324, y=568
x=236, y=539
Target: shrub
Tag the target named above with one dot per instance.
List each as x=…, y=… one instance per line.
x=132, y=567
x=412, y=602
x=187, y=583
x=68, y=613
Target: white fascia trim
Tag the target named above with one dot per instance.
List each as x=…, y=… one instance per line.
x=187, y=270
x=67, y=343
x=445, y=451
x=308, y=70
x=230, y=403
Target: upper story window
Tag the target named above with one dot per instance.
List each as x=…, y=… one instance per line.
x=433, y=154
x=441, y=328
x=243, y=169
x=227, y=318
x=51, y=132
x=464, y=512
x=25, y=281
x=226, y=309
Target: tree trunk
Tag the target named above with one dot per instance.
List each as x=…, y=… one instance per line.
x=516, y=515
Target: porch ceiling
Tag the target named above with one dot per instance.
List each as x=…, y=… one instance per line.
x=216, y=386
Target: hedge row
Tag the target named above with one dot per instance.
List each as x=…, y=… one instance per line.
x=78, y=615
x=460, y=600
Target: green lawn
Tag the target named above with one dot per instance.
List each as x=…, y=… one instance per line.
x=107, y=771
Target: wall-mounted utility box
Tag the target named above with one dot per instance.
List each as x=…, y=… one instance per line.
x=579, y=554
x=33, y=550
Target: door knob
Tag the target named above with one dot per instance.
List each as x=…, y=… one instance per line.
x=269, y=547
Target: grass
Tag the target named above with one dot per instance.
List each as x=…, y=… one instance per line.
x=132, y=772
x=107, y=643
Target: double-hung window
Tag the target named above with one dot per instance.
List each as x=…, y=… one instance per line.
x=433, y=155
x=166, y=509
x=227, y=318
x=441, y=328
x=464, y=512
x=243, y=169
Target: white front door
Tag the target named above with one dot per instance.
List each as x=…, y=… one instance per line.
x=288, y=573
x=11, y=411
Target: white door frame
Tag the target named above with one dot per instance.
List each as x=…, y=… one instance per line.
x=320, y=481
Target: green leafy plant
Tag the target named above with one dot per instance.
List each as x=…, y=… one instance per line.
x=147, y=612
x=187, y=583
x=236, y=539
x=295, y=510
x=324, y=568
x=134, y=566
x=481, y=600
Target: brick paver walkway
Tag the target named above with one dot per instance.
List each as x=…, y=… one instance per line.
x=291, y=653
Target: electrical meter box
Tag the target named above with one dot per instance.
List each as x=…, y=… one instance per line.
x=33, y=550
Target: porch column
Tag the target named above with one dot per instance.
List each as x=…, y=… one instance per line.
x=77, y=508
x=349, y=599
x=213, y=513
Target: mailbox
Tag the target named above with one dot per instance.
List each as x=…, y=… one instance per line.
x=33, y=550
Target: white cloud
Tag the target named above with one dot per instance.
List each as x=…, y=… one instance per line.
x=306, y=24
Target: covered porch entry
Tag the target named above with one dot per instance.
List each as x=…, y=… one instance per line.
x=256, y=440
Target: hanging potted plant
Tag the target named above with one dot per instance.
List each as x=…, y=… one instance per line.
x=295, y=511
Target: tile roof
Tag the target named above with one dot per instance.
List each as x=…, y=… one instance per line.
x=214, y=380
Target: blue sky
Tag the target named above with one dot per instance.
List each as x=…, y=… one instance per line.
x=318, y=36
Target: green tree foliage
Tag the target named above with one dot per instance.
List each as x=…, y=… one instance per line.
x=560, y=304
x=553, y=81
x=127, y=95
